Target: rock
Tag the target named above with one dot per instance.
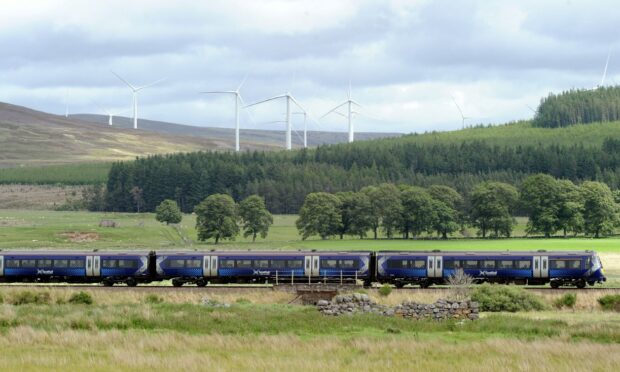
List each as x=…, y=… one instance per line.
x=322, y=303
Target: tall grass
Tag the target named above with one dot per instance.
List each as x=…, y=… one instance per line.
x=69, y=174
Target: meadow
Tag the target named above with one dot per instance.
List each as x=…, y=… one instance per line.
x=261, y=331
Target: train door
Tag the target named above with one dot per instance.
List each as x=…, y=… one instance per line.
x=89, y=266
x=311, y=265
x=96, y=265
x=209, y=268
x=1, y=266
x=434, y=266
x=544, y=267
x=541, y=267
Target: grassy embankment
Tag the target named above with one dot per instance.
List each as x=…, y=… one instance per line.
x=261, y=331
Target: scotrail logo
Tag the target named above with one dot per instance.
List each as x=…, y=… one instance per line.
x=262, y=272
x=44, y=272
x=488, y=273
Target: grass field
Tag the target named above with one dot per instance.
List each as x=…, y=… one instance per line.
x=41, y=229
x=262, y=332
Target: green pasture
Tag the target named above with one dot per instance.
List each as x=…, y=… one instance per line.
x=67, y=174
x=80, y=230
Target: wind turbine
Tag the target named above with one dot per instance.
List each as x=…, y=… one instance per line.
x=66, y=103
x=111, y=114
x=289, y=99
x=605, y=70
x=349, y=116
x=135, y=91
x=238, y=99
x=463, y=117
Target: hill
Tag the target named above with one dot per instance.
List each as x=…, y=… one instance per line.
x=29, y=137
x=266, y=137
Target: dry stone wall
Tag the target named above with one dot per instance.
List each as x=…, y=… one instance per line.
x=361, y=303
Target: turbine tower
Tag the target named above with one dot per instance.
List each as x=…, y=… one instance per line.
x=135, y=91
x=238, y=100
x=289, y=127
x=305, y=127
x=349, y=103
x=463, y=117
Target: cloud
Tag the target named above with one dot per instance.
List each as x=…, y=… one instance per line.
x=404, y=58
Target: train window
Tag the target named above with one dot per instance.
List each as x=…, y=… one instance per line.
x=244, y=264
x=574, y=264
x=44, y=263
x=346, y=264
x=329, y=264
x=295, y=264
x=12, y=264
x=448, y=264
x=227, y=264
x=262, y=264
x=278, y=264
x=524, y=264
x=488, y=264
x=109, y=264
x=557, y=264
x=174, y=264
x=418, y=264
x=61, y=263
x=193, y=263
x=76, y=263
x=458, y=264
x=471, y=264
x=505, y=264
x=28, y=263
x=128, y=264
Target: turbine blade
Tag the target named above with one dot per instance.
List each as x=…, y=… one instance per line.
x=246, y=111
x=265, y=100
x=334, y=109
x=457, y=106
x=605, y=71
x=297, y=103
x=123, y=80
x=151, y=84
x=356, y=103
x=242, y=82
x=219, y=92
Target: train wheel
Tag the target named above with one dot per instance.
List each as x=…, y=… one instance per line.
x=176, y=283
x=131, y=282
x=201, y=282
x=107, y=283
x=399, y=285
x=425, y=284
x=580, y=284
x=555, y=284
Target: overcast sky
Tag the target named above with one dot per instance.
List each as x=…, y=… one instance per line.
x=405, y=59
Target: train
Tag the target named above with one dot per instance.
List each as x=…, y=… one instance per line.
x=399, y=268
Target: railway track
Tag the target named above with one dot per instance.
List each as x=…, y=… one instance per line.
x=286, y=288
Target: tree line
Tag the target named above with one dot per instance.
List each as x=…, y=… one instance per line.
x=578, y=107
x=285, y=178
x=405, y=211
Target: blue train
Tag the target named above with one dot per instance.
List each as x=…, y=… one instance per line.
x=423, y=268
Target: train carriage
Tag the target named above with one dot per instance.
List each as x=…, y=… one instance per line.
x=534, y=268
x=78, y=267
x=251, y=267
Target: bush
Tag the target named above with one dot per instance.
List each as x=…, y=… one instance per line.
x=610, y=302
x=567, y=300
x=506, y=298
x=29, y=297
x=81, y=298
x=385, y=290
x=243, y=301
x=153, y=299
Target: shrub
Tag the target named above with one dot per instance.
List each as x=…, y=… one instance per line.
x=506, y=298
x=567, y=300
x=81, y=298
x=242, y=301
x=610, y=302
x=385, y=290
x=153, y=299
x=29, y=297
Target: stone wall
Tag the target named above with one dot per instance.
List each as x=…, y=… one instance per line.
x=361, y=303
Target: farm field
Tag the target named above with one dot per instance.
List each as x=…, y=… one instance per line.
x=80, y=230
x=135, y=331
